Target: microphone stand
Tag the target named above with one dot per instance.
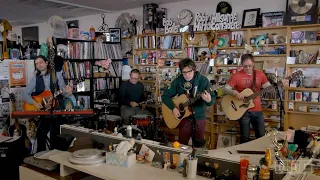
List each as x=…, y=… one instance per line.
x=282, y=111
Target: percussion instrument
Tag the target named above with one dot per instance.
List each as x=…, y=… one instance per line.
x=112, y=121
x=141, y=120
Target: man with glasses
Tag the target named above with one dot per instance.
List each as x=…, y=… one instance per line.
x=190, y=82
x=255, y=80
x=131, y=95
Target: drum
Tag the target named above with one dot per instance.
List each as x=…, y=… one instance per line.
x=141, y=120
x=112, y=121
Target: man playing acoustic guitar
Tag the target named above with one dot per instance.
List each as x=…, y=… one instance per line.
x=39, y=83
x=190, y=81
x=253, y=79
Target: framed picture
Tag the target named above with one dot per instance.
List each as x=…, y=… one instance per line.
x=272, y=19
x=250, y=18
x=115, y=35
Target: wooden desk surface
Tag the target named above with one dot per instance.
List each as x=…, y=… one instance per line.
x=56, y=174
x=104, y=171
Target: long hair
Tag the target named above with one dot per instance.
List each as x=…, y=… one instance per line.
x=45, y=60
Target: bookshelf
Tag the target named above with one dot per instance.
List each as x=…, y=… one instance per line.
x=271, y=55
x=85, y=59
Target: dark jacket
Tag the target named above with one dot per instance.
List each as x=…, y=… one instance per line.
x=176, y=88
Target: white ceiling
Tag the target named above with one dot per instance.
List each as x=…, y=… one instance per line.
x=25, y=12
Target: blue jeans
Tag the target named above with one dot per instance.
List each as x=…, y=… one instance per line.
x=257, y=121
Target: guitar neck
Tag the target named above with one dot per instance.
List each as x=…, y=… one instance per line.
x=198, y=96
x=256, y=94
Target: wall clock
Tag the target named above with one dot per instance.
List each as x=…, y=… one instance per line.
x=185, y=17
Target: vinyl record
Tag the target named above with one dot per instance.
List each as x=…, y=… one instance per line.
x=301, y=6
x=224, y=8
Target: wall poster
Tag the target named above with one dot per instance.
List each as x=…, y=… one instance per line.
x=18, y=76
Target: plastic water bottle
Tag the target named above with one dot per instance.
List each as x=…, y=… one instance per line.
x=129, y=131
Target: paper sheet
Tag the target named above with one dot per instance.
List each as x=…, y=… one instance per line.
x=4, y=70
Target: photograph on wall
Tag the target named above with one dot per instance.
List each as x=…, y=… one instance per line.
x=4, y=110
x=272, y=19
x=115, y=34
x=250, y=18
x=17, y=74
x=4, y=90
x=18, y=97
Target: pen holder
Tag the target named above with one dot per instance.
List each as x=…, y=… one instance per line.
x=191, y=168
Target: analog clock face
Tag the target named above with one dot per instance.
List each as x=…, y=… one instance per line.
x=185, y=17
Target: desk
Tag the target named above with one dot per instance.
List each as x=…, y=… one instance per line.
x=109, y=172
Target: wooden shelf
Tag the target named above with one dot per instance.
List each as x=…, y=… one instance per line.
x=229, y=65
x=170, y=49
x=306, y=44
x=268, y=28
x=270, y=55
x=304, y=113
x=170, y=34
x=304, y=102
x=303, y=65
x=301, y=89
x=266, y=45
x=225, y=48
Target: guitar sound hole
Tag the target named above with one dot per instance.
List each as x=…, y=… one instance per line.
x=181, y=108
x=245, y=100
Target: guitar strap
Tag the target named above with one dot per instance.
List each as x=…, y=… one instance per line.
x=52, y=65
x=254, y=81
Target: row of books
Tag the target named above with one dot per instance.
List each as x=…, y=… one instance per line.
x=75, y=70
x=77, y=50
x=146, y=42
x=90, y=50
x=106, y=83
x=170, y=42
x=304, y=96
x=107, y=51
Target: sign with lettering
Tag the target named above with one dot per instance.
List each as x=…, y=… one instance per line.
x=170, y=26
x=217, y=21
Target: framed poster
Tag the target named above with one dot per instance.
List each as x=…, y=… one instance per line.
x=250, y=18
x=17, y=73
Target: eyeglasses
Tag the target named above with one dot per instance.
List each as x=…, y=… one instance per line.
x=187, y=72
x=134, y=78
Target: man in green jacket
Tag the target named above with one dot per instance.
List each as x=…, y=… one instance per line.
x=197, y=83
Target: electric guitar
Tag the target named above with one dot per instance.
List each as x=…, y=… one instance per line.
x=17, y=129
x=235, y=108
x=182, y=103
x=47, y=99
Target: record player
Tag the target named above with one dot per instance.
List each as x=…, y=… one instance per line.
x=301, y=12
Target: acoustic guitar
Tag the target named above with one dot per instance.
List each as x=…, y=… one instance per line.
x=46, y=98
x=235, y=108
x=182, y=103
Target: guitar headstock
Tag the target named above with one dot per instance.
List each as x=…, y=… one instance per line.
x=12, y=97
x=49, y=42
